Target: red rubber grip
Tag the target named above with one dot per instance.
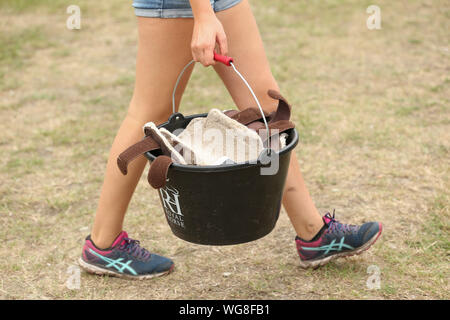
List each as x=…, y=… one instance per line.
x=223, y=59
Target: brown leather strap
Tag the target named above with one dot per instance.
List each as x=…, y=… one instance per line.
x=157, y=174
x=274, y=127
x=281, y=125
x=256, y=125
x=283, y=110
x=230, y=113
x=247, y=116
x=250, y=117
x=147, y=144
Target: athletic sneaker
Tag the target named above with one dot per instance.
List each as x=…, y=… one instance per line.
x=336, y=240
x=125, y=259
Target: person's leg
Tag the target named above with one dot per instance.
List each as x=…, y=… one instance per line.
x=246, y=46
x=163, y=50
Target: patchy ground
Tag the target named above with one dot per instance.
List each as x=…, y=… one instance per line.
x=372, y=108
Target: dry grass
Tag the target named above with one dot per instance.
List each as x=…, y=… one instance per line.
x=372, y=108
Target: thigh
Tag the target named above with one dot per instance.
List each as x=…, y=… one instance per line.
x=246, y=47
x=163, y=51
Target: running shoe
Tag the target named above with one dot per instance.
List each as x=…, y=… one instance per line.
x=336, y=240
x=125, y=259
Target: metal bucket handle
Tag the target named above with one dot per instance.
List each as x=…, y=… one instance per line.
x=228, y=61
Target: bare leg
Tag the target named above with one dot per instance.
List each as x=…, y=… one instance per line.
x=164, y=49
x=159, y=60
x=246, y=46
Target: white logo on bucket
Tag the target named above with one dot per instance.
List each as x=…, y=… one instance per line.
x=169, y=199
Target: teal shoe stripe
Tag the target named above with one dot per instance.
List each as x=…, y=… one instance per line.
x=332, y=246
x=118, y=264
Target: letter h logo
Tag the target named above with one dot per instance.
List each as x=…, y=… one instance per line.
x=169, y=198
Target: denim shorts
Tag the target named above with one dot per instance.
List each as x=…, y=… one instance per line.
x=174, y=8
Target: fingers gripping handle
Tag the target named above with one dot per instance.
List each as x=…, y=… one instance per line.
x=223, y=59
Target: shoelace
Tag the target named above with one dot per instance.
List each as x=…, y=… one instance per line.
x=334, y=225
x=133, y=247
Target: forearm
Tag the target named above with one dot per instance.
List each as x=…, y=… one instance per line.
x=201, y=8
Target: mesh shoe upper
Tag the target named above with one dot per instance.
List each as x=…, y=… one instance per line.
x=125, y=256
x=336, y=238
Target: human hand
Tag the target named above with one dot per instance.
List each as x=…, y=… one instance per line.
x=208, y=31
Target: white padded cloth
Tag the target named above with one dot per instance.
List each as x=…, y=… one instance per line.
x=212, y=140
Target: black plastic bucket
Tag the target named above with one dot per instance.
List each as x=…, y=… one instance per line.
x=226, y=204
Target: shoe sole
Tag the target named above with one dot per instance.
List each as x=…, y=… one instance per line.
x=92, y=269
x=321, y=262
